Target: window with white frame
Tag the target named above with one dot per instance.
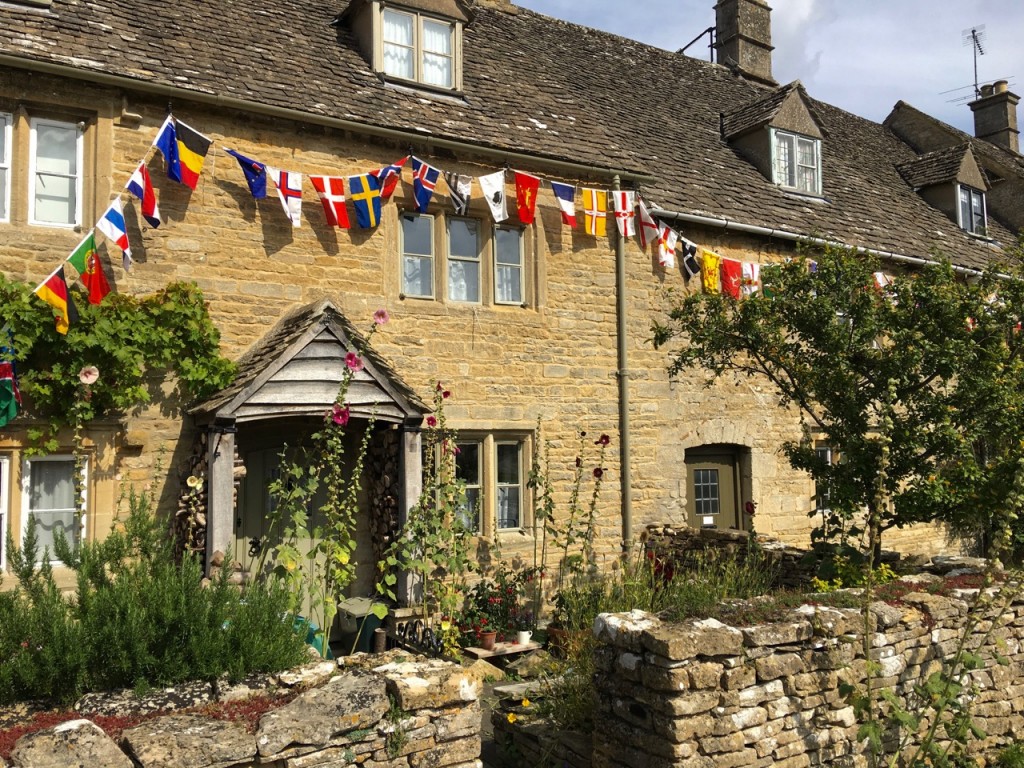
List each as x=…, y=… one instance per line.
x=55, y=173
x=509, y=485
x=972, y=210
x=48, y=496
x=417, y=255
x=469, y=469
x=5, y=494
x=464, y=260
x=797, y=162
x=419, y=48
x=6, y=123
x=508, y=265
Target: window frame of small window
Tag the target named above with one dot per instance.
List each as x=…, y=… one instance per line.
x=974, y=196
x=519, y=266
x=463, y=259
x=6, y=165
x=490, y=480
x=777, y=138
x=26, y=498
x=417, y=50
x=76, y=178
x=404, y=216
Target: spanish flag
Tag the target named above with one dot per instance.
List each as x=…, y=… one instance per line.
x=54, y=291
x=192, y=149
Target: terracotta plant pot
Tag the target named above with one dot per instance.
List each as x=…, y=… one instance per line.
x=487, y=640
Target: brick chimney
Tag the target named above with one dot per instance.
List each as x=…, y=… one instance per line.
x=743, y=35
x=995, y=116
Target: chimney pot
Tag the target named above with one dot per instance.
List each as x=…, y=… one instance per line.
x=995, y=116
x=987, y=90
x=1000, y=86
x=743, y=34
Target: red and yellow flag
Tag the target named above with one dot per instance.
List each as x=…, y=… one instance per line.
x=87, y=262
x=192, y=149
x=595, y=209
x=526, y=196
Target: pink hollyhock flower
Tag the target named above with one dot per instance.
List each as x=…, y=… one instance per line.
x=354, y=362
x=381, y=316
x=431, y=421
x=340, y=415
x=90, y=374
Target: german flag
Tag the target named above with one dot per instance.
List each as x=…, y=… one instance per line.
x=54, y=291
x=192, y=149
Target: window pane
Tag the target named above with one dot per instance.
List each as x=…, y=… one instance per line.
x=52, y=485
x=416, y=235
x=437, y=37
x=509, y=289
x=4, y=123
x=705, y=491
x=469, y=513
x=508, y=463
x=508, y=507
x=437, y=70
x=467, y=463
x=807, y=180
x=784, y=170
x=463, y=238
x=464, y=281
x=419, y=276
x=51, y=501
x=965, y=208
x=57, y=149
x=507, y=245
x=3, y=192
x=806, y=150
x=398, y=44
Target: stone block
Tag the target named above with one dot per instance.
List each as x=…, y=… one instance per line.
x=777, y=634
x=751, y=697
x=449, y=753
x=429, y=683
x=189, y=741
x=732, y=742
x=700, y=638
x=778, y=665
x=738, y=678
x=457, y=722
x=76, y=742
x=625, y=630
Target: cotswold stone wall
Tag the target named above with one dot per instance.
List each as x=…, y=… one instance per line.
x=404, y=714
x=706, y=695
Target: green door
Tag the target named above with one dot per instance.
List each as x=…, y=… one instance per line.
x=711, y=482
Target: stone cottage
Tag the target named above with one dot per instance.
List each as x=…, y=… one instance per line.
x=521, y=321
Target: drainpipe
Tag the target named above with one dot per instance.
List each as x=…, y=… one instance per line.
x=623, y=376
x=782, y=234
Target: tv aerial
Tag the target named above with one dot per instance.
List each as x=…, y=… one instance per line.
x=975, y=37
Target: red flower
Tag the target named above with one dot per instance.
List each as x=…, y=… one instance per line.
x=354, y=363
x=446, y=394
x=340, y=415
x=598, y=472
x=431, y=421
x=602, y=440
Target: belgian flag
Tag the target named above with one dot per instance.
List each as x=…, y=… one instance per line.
x=54, y=291
x=192, y=149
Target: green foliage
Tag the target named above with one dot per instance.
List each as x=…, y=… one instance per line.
x=1011, y=757
x=126, y=337
x=434, y=548
x=138, y=620
x=844, y=573
x=396, y=739
x=498, y=604
x=936, y=355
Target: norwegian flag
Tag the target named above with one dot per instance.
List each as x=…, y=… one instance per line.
x=424, y=179
x=331, y=191
x=388, y=178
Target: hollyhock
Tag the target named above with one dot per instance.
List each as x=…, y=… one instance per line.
x=381, y=316
x=89, y=374
x=431, y=421
x=354, y=362
x=602, y=440
x=340, y=415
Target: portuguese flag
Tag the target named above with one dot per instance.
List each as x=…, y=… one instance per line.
x=87, y=262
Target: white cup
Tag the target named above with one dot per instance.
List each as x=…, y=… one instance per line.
x=524, y=636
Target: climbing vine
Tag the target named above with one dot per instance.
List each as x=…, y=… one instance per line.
x=128, y=338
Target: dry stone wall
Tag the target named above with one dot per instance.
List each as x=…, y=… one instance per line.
x=407, y=713
x=706, y=695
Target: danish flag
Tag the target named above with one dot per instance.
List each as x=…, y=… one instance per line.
x=331, y=190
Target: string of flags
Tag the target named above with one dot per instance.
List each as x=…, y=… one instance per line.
x=184, y=150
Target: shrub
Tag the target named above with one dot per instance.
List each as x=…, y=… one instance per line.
x=138, y=620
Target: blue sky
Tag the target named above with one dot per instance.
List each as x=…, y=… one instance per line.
x=861, y=55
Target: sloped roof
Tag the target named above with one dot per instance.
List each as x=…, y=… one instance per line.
x=532, y=84
x=288, y=338
x=938, y=167
x=761, y=111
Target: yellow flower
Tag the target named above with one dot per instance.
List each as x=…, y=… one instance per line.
x=526, y=702
x=512, y=717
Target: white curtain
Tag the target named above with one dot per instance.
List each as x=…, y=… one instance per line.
x=398, y=44
x=437, y=54
x=52, y=501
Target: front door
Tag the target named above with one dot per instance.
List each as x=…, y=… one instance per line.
x=712, y=479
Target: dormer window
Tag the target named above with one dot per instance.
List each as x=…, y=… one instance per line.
x=415, y=43
x=418, y=48
x=797, y=162
x=972, y=210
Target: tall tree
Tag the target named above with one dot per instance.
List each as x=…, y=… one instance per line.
x=916, y=382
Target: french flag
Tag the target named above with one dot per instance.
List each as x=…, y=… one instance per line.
x=141, y=186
